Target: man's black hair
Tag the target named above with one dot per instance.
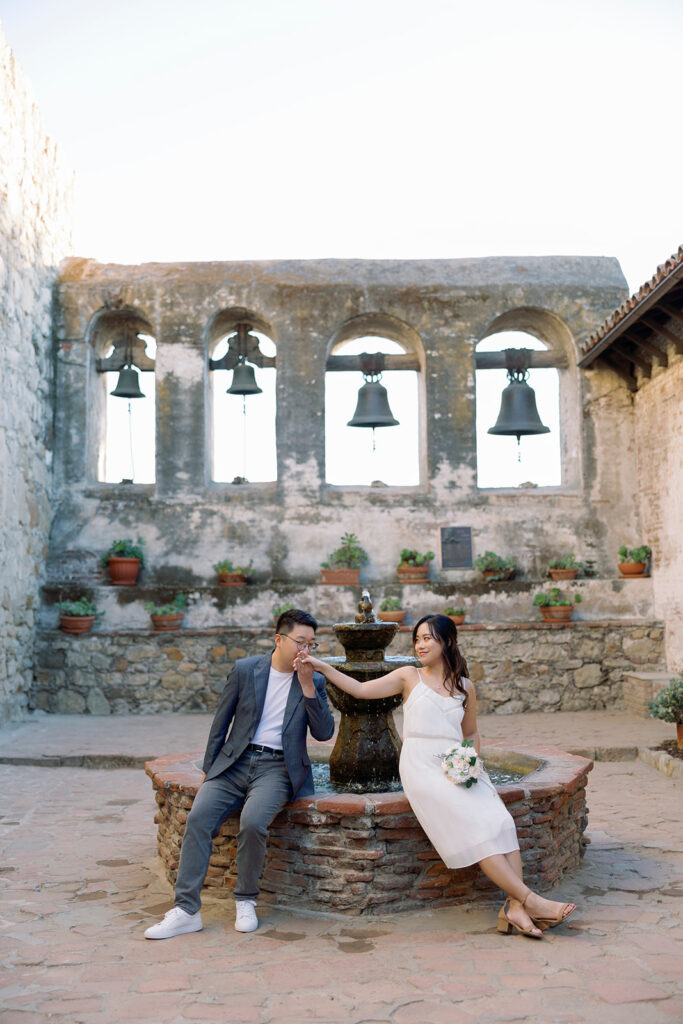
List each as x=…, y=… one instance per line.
x=294, y=617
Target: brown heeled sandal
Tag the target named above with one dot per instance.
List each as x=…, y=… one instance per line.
x=550, y=922
x=505, y=925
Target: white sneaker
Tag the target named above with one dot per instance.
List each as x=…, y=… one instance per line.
x=176, y=922
x=245, y=916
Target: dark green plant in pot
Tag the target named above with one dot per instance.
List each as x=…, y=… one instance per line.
x=555, y=599
x=490, y=562
x=349, y=554
x=639, y=554
x=411, y=557
x=565, y=562
x=81, y=607
x=390, y=604
x=125, y=549
x=177, y=605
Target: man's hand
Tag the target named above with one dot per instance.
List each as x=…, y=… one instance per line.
x=304, y=670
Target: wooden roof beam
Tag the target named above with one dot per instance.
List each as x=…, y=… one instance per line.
x=621, y=367
x=675, y=339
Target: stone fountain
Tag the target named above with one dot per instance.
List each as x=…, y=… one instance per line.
x=366, y=753
x=363, y=851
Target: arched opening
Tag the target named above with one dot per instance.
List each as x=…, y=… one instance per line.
x=242, y=426
x=122, y=429
x=540, y=460
x=387, y=455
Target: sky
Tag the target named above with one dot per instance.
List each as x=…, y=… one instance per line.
x=259, y=129
x=388, y=129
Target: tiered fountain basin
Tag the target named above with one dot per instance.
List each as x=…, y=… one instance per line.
x=366, y=853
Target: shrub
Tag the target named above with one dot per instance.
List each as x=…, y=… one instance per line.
x=349, y=554
x=411, y=557
x=125, y=549
x=668, y=704
x=179, y=604
x=639, y=554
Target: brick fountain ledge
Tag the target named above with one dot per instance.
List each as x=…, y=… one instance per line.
x=366, y=853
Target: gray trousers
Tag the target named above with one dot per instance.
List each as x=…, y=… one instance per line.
x=260, y=785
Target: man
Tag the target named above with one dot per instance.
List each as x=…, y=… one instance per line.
x=261, y=766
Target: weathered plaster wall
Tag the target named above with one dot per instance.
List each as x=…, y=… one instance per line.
x=289, y=526
x=659, y=468
x=35, y=234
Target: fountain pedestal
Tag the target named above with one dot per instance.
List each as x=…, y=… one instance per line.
x=366, y=753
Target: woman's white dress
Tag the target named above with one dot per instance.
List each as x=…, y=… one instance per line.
x=463, y=825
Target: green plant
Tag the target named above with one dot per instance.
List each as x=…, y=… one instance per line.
x=125, y=549
x=349, y=554
x=390, y=604
x=491, y=562
x=280, y=609
x=668, y=704
x=454, y=611
x=177, y=605
x=80, y=607
x=412, y=557
x=639, y=554
x=226, y=566
x=555, y=599
x=565, y=562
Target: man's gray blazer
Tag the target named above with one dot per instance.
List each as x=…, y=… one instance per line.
x=241, y=706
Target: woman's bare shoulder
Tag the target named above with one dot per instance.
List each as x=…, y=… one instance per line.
x=469, y=686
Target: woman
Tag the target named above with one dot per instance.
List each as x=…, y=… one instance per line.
x=465, y=825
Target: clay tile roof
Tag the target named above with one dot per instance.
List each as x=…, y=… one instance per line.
x=664, y=270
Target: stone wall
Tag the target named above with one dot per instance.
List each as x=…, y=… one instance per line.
x=659, y=466
x=35, y=234
x=439, y=309
x=516, y=666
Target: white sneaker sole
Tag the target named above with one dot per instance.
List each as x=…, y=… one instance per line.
x=157, y=932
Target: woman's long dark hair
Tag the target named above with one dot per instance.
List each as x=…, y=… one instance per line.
x=443, y=629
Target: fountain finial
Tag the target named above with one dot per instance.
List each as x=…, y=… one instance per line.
x=365, y=612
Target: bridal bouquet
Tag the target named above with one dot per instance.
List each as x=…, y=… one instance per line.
x=460, y=764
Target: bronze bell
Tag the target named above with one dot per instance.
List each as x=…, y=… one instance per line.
x=127, y=385
x=518, y=413
x=244, y=381
x=372, y=408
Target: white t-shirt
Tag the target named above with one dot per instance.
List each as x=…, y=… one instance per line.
x=269, y=730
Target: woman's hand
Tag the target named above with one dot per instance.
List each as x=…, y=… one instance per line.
x=306, y=658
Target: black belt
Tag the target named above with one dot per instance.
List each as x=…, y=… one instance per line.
x=259, y=748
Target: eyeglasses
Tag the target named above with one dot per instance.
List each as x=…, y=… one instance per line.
x=302, y=644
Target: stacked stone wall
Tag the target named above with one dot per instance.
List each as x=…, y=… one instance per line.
x=516, y=667
x=35, y=234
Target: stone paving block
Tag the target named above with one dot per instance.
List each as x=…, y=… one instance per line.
x=627, y=990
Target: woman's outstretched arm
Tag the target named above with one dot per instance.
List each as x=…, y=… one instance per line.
x=385, y=686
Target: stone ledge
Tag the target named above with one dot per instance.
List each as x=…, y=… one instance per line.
x=663, y=762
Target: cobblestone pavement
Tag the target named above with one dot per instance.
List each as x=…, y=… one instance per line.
x=80, y=882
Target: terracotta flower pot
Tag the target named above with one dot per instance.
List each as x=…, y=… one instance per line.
x=232, y=579
x=679, y=735
x=563, y=574
x=413, y=573
x=557, y=613
x=123, y=572
x=457, y=620
x=343, y=576
x=395, y=616
x=76, y=624
x=631, y=569
x=163, y=623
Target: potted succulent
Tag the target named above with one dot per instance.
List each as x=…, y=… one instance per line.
x=668, y=705
x=494, y=567
x=633, y=561
x=456, y=614
x=565, y=567
x=390, y=610
x=124, y=559
x=77, y=617
x=556, y=606
x=167, y=616
x=279, y=610
x=343, y=565
x=414, y=567
x=230, y=575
